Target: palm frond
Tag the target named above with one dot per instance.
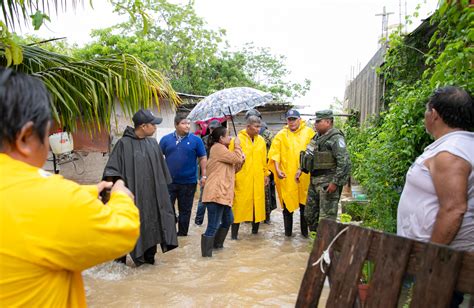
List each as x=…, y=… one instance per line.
x=15, y=10
x=87, y=90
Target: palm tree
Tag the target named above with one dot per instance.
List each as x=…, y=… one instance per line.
x=83, y=90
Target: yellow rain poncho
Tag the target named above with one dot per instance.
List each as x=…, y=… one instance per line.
x=250, y=180
x=285, y=149
x=50, y=230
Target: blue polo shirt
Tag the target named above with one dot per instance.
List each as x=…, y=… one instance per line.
x=181, y=156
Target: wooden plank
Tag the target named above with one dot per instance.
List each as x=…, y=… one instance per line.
x=465, y=280
x=390, y=264
x=436, y=278
x=344, y=285
x=313, y=279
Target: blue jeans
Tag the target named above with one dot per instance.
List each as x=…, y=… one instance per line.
x=201, y=210
x=185, y=195
x=218, y=216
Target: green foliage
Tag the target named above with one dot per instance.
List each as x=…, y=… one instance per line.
x=194, y=58
x=13, y=11
x=345, y=218
x=367, y=272
x=383, y=149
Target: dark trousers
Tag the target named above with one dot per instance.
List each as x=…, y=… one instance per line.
x=218, y=216
x=201, y=210
x=185, y=195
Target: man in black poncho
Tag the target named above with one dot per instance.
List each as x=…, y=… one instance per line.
x=138, y=160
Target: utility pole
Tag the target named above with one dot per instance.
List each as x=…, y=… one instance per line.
x=384, y=15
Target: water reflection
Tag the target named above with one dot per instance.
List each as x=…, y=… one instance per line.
x=257, y=270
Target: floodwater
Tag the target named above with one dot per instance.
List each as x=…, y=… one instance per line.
x=256, y=270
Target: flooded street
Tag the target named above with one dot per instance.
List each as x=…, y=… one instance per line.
x=256, y=270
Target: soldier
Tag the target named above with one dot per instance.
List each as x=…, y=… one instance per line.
x=327, y=160
x=270, y=195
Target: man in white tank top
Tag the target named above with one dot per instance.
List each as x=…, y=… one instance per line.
x=437, y=202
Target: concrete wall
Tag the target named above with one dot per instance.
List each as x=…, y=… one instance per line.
x=365, y=92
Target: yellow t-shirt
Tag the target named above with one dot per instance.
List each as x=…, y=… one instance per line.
x=50, y=230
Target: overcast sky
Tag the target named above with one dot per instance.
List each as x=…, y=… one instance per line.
x=322, y=39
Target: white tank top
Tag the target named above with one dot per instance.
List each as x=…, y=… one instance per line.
x=419, y=203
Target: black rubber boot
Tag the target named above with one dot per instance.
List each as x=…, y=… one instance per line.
x=149, y=255
x=303, y=224
x=234, y=231
x=267, y=218
x=220, y=236
x=121, y=260
x=288, y=222
x=206, y=245
x=255, y=226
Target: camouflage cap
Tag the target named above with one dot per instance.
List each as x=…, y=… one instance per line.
x=324, y=114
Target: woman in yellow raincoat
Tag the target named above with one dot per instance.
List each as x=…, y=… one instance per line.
x=283, y=161
x=250, y=181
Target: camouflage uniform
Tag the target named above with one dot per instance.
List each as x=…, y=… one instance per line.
x=322, y=204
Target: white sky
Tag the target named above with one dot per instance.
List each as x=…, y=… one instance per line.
x=322, y=39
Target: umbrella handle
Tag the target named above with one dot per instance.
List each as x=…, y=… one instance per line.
x=232, y=120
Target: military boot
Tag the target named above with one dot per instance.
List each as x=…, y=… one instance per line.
x=206, y=245
x=303, y=224
x=219, y=238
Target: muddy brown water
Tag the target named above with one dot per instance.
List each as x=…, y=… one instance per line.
x=257, y=270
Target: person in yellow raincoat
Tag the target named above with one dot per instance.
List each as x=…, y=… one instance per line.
x=50, y=228
x=283, y=161
x=250, y=181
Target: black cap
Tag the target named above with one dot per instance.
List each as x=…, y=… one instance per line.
x=145, y=116
x=292, y=113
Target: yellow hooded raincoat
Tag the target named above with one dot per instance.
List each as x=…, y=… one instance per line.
x=285, y=149
x=250, y=180
x=50, y=230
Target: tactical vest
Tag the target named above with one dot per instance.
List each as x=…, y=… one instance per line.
x=318, y=156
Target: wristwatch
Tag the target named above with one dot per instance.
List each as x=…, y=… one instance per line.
x=203, y=177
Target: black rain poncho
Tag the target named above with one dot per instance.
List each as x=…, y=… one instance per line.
x=140, y=163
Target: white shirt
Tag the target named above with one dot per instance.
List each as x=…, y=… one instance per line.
x=419, y=203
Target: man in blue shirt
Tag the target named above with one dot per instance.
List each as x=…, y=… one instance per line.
x=182, y=150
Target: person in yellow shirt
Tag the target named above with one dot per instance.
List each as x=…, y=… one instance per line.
x=283, y=161
x=50, y=228
x=250, y=181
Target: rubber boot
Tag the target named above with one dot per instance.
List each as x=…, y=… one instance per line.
x=267, y=218
x=206, y=245
x=220, y=236
x=122, y=260
x=255, y=226
x=303, y=224
x=234, y=231
x=288, y=222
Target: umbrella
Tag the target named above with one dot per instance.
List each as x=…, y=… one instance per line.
x=228, y=102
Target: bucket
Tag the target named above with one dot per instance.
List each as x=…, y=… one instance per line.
x=61, y=143
x=356, y=191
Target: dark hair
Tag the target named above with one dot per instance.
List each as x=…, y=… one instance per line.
x=216, y=135
x=455, y=106
x=178, y=118
x=23, y=98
